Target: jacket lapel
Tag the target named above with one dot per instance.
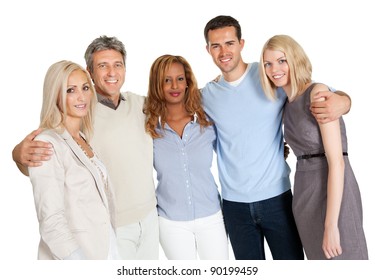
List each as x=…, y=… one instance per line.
x=87, y=163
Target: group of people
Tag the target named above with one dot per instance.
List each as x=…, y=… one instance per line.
x=91, y=161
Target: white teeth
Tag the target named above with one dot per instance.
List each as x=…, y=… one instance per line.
x=278, y=76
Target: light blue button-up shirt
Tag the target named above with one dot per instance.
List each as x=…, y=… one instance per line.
x=186, y=188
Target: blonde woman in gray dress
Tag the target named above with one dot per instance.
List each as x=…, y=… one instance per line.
x=327, y=202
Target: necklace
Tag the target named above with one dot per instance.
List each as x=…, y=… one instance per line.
x=95, y=161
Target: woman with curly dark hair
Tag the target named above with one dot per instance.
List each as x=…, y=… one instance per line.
x=189, y=204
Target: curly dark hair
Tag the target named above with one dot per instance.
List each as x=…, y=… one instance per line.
x=155, y=106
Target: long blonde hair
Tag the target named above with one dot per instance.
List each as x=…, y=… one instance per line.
x=53, y=112
x=155, y=105
x=300, y=68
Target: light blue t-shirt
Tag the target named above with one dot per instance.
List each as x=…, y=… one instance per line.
x=250, y=149
x=186, y=189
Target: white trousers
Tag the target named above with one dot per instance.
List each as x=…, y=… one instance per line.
x=204, y=237
x=140, y=240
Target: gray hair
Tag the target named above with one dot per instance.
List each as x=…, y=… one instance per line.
x=103, y=43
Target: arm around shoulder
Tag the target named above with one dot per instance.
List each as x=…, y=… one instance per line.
x=30, y=152
x=327, y=106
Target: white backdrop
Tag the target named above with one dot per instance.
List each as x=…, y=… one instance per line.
x=338, y=37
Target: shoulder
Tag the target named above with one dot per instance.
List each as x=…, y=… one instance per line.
x=53, y=136
x=253, y=71
x=49, y=135
x=254, y=65
x=134, y=98
x=212, y=86
x=318, y=87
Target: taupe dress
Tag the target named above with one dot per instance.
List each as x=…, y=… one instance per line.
x=302, y=133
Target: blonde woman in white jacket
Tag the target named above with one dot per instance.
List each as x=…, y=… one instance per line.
x=73, y=194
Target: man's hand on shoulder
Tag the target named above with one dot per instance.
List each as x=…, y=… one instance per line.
x=329, y=106
x=30, y=152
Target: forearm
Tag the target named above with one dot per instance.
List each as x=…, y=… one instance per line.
x=347, y=101
x=335, y=187
x=16, y=155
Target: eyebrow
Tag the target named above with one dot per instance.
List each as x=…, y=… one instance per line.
x=86, y=83
x=226, y=42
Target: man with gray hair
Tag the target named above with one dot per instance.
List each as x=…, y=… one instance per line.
x=122, y=144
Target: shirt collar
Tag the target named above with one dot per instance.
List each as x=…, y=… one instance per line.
x=108, y=102
x=193, y=121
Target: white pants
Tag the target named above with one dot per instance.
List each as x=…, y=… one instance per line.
x=140, y=240
x=205, y=237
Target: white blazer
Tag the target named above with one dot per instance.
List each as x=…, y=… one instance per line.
x=72, y=208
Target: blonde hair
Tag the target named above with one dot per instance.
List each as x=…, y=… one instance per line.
x=53, y=112
x=300, y=68
x=155, y=106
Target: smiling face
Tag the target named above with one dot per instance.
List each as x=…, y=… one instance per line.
x=225, y=50
x=277, y=68
x=78, y=95
x=108, y=73
x=175, y=84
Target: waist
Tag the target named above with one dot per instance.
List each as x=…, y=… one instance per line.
x=316, y=155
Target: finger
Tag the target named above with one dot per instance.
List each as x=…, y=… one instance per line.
x=317, y=105
x=40, y=153
x=339, y=251
x=35, y=156
x=33, y=164
x=327, y=255
x=331, y=253
x=336, y=253
x=323, y=120
x=33, y=134
x=33, y=160
x=324, y=94
x=41, y=144
x=319, y=116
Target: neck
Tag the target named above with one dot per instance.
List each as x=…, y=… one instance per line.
x=236, y=72
x=73, y=127
x=113, y=97
x=287, y=90
x=176, y=112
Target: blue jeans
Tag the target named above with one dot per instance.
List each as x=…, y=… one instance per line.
x=249, y=223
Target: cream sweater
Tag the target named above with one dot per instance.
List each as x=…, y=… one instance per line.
x=125, y=148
